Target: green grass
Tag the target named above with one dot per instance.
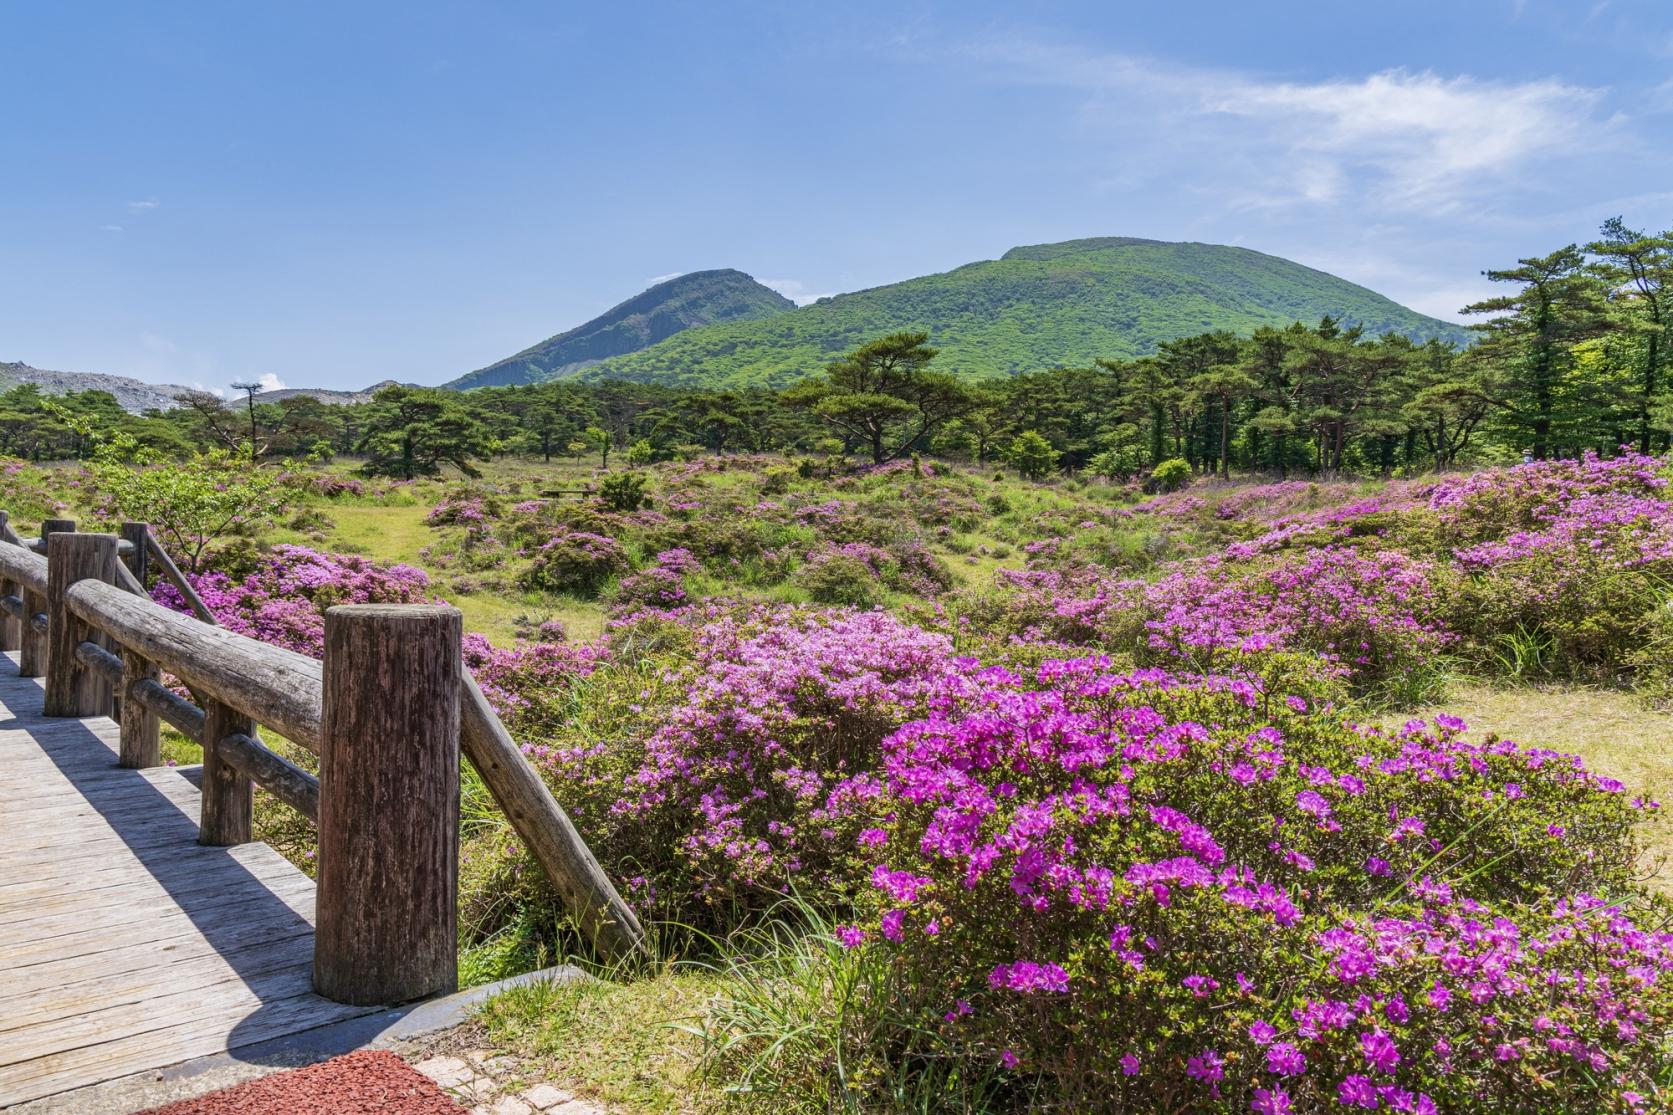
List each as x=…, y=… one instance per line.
x=617, y=1041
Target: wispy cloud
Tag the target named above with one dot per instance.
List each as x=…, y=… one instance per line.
x=143, y=206
x=110, y=228
x=1398, y=138
x=663, y=278
x=796, y=291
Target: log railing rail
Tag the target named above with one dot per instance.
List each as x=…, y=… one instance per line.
x=388, y=711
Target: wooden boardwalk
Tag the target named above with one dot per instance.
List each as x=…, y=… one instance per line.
x=124, y=945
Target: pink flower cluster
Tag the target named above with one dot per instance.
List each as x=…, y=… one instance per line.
x=1077, y=832
x=284, y=601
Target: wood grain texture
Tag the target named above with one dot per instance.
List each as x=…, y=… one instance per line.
x=273, y=773
x=275, y=687
x=125, y=946
x=141, y=728
x=71, y=688
x=29, y=570
x=228, y=794
x=164, y=703
x=138, y=560
x=389, y=804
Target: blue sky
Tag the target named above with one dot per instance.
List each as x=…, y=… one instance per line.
x=336, y=193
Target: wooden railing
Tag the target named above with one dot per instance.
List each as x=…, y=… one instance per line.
x=388, y=711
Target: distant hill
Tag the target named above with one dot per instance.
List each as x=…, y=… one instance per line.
x=696, y=299
x=1036, y=307
x=134, y=395
x=325, y=395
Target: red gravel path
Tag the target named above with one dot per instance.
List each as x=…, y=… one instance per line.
x=369, y=1081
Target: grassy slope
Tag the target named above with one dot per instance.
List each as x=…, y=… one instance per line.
x=1037, y=307
x=699, y=298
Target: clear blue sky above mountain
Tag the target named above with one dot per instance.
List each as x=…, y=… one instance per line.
x=332, y=194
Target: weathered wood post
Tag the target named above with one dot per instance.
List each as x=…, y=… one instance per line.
x=139, y=562
x=71, y=688
x=386, y=925
x=11, y=631
x=224, y=814
x=137, y=751
x=142, y=744
x=31, y=655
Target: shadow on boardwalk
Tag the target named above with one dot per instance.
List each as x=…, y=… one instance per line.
x=124, y=944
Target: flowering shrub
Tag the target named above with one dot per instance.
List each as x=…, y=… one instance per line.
x=1371, y=614
x=575, y=561
x=660, y=586
x=462, y=509
x=727, y=802
x=284, y=601
x=1158, y=892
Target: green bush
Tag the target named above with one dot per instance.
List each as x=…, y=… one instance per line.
x=840, y=579
x=1171, y=475
x=575, y=562
x=622, y=492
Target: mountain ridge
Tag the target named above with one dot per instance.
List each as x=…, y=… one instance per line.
x=662, y=310
x=1037, y=306
x=134, y=395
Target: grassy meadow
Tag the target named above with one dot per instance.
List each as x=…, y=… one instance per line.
x=801, y=710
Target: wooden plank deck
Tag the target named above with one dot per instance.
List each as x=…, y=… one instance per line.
x=124, y=945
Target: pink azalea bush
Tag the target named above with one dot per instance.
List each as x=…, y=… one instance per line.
x=283, y=601
x=1167, y=893
x=722, y=796
x=575, y=561
x=1371, y=614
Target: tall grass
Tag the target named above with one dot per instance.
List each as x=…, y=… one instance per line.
x=801, y=1024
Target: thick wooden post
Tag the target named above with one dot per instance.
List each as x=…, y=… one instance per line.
x=228, y=796
x=386, y=925
x=71, y=688
x=141, y=739
x=139, y=562
x=31, y=655
x=11, y=631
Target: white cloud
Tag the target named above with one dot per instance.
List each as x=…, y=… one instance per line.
x=142, y=206
x=663, y=278
x=796, y=291
x=1403, y=139
x=1427, y=140
x=218, y=392
x=270, y=382
x=110, y=228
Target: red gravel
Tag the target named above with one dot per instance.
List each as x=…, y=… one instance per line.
x=368, y=1081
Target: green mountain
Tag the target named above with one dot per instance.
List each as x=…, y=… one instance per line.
x=687, y=301
x=1035, y=307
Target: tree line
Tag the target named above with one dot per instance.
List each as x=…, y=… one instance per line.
x=1572, y=357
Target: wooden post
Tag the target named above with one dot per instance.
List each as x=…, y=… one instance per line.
x=71, y=688
x=386, y=925
x=139, y=562
x=141, y=739
x=11, y=631
x=228, y=796
x=31, y=655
